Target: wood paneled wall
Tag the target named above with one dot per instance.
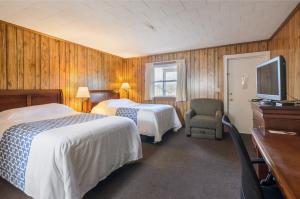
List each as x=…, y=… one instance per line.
x=286, y=42
x=204, y=72
x=30, y=60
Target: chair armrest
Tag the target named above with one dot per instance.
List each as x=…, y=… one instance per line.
x=258, y=161
x=219, y=127
x=218, y=115
x=189, y=114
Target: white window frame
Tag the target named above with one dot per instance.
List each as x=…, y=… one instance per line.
x=164, y=81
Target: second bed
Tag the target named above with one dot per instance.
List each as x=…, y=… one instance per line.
x=151, y=119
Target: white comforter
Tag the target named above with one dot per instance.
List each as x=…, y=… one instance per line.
x=152, y=119
x=66, y=162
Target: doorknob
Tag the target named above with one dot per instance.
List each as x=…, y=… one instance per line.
x=230, y=93
x=231, y=100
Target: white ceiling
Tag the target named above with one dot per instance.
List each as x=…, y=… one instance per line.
x=124, y=27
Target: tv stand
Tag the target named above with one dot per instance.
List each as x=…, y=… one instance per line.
x=276, y=118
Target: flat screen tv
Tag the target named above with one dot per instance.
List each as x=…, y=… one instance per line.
x=271, y=79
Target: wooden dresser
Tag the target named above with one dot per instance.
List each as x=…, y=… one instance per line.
x=274, y=118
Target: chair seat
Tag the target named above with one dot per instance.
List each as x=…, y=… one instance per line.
x=271, y=192
x=203, y=121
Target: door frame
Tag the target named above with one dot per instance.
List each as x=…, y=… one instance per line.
x=226, y=59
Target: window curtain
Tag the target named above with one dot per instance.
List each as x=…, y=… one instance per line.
x=149, y=81
x=181, y=80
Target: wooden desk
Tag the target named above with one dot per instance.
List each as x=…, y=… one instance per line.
x=277, y=118
x=282, y=154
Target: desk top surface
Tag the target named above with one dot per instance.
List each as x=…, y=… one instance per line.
x=282, y=154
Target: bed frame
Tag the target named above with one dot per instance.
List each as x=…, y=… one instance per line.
x=10, y=99
x=102, y=95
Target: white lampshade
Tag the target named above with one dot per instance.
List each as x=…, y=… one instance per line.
x=83, y=92
x=125, y=86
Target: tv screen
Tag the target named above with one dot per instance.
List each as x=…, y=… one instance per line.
x=270, y=79
x=267, y=79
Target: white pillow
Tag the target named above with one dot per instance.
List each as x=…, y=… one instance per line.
x=120, y=103
x=35, y=111
x=108, y=107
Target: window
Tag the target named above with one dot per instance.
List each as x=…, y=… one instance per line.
x=165, y=79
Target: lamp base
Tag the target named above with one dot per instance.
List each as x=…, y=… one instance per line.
x=83, y=107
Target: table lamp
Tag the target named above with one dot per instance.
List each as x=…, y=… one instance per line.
x=126, y=87
x=83, y=93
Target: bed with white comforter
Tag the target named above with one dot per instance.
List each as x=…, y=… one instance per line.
x=67, y=154
x=151, y=119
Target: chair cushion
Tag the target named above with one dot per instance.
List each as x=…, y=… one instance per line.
x=203, y=121
x=271, y=192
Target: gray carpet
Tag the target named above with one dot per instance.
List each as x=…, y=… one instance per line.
x=177, y=168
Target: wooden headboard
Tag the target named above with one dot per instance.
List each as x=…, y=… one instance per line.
x=101, y=95
x=10, y=99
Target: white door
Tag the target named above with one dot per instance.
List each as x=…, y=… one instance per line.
x=240, y=87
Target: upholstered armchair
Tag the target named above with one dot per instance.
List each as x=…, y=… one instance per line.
x=205, y=118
